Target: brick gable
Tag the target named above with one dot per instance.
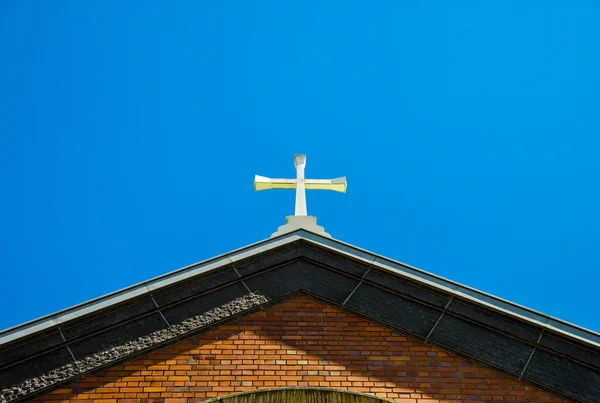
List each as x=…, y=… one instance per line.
x=299, y=342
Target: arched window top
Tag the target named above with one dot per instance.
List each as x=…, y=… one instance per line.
x=298, y=395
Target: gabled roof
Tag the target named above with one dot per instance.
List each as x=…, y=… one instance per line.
x=57, y=349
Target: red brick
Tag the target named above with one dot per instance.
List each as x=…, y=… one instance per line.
x=298, y=343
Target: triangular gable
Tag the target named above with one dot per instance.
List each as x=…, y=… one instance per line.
x=524, y=344
x=299, y=343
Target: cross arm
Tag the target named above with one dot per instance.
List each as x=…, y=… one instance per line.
x=264, y=183
x=337, y=184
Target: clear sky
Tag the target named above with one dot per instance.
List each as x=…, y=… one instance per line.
x=130, y=133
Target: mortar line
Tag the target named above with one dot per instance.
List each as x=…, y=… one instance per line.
x=67, y=344
x=242, y=281
x=161, y=314
x=238, y=273
x=358, y=285
x=439, y=319
x=531, y=355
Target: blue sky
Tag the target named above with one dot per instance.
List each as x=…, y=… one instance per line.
x=130, y=133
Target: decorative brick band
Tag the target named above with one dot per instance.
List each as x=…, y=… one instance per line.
x=116, y=353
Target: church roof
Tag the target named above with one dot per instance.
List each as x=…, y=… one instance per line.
x=527, y=345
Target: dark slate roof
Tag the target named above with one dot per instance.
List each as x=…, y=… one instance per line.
x=55, y=350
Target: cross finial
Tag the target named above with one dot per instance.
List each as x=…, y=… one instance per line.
x=300, y=184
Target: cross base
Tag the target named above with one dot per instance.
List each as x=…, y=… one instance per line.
x=295, y=222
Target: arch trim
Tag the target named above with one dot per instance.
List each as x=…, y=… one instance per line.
x=302, y=394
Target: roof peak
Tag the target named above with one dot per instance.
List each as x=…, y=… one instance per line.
x=294, y=223
x=502, y=335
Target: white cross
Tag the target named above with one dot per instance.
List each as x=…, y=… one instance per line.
x=300, y=184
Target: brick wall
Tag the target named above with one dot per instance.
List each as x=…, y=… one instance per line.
x=299, y=343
